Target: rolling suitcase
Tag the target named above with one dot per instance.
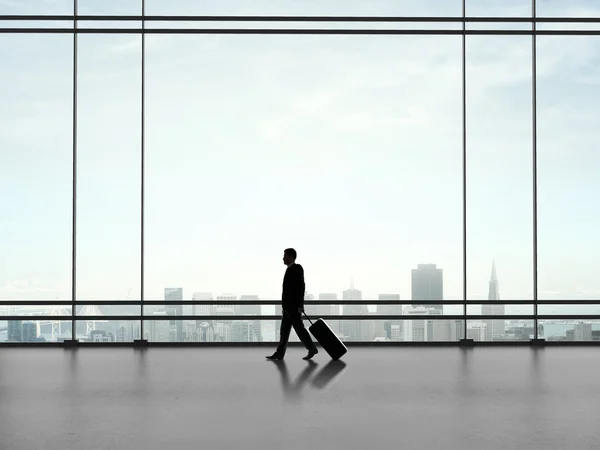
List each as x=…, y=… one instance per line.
x=327, y=338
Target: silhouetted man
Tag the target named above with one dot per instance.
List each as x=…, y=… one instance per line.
x=292, y=306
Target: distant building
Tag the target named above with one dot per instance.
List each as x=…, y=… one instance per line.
x=176, y=294
x=390, y=329
x=203, y=310
x=311, y=310
x=582, y=332
x=100, y=336
x=495, y=327
x=330, y=310
x=423, y=330
x=160, y=328
x=252, y=309
x=14, y=331
x=121, y=334
x=427, y=283
x=31, y=331
x=355, y=330
x=477, y=332
x=223, y=329
x=205, y=332
x=415, y=330
x=190, y=332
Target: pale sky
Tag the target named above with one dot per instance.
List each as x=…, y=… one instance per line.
x=347, y=148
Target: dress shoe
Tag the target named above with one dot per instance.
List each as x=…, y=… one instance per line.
x=274, y=357
x=312, y=352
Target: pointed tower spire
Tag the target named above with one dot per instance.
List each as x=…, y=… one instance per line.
x=494, y=291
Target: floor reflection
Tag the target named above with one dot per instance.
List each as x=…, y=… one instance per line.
x=293, y=390
x=324, y=378
x=328, y=374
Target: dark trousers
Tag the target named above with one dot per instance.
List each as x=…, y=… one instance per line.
x=291, y=317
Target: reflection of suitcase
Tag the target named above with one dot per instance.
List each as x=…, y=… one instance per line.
x=327, y=338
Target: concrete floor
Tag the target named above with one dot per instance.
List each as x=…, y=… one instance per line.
x=385, y=398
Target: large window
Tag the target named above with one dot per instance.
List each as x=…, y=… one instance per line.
x=499, y=177
x=172, y=161
x=567, y=154
x=36, y=150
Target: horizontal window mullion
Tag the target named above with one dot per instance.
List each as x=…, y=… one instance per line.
x=316, y=32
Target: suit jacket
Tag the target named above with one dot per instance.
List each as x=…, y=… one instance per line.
x=293, y=287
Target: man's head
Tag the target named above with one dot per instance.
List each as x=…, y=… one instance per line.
x=289, y=256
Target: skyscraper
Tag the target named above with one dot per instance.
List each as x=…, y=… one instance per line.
x=430, y=330
x=202, y=310
x=494, y=327
x=224, y=328
x=176, y=294
x=254, y=310
x=311, y=310
x=15, y=331
x=582, y=332
x=355, y=330
x=159, y=328
x=324, y=310
x=493, y=290
x=390, y=329
x=205, y=332
x=427, y=283
x=31, y=330
x=415, y=330
x=333, y=310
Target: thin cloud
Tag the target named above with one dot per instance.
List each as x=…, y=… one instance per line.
x=25, y=285
x=153, y=43
x=13, y=3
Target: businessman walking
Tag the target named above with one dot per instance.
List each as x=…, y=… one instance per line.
x=292, y=306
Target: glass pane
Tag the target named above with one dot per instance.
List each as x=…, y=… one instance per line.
x=308, y=7
x=512, y=330
x=572, y=8
x=499, y=26
x=380, y=330
x=39, y=331
x=497, y=328
x=116, y=8
x=109, y=165
x=164, y=329
x=499, y=169
x=112, y=8
x=36, y=7
x=499, y=8
x=108, y=331
x=108, y=310
x=337, y=136
x=7, y=24
x=572, y=330
x=499, y=309
x=568, y=158
x=45, y=330
x=29, y=330
x=36, y=84
x=568, y=309
x=35, y=310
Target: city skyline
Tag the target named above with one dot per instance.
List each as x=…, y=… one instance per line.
x=365, y=147
x=183, y=329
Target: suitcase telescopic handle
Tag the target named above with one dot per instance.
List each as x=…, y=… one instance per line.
x=307, y=317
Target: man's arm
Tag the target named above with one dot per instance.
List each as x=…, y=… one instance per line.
x=300, y=286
